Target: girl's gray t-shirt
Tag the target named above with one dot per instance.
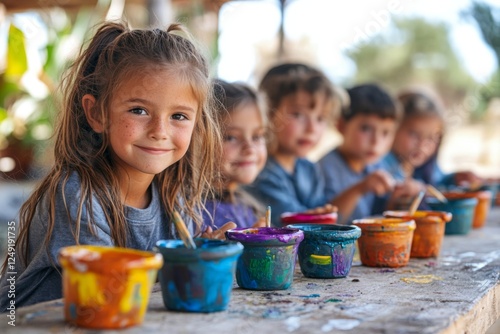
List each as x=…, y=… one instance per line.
x=41, y=279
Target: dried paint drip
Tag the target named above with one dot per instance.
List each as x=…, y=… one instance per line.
x=107, y=287
x=268, y=259
x=200, y=279
x=327, y=251
x=421, y=279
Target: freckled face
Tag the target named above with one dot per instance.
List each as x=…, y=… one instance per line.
x=151, y=120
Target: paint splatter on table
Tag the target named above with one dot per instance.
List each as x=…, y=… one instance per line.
x=454, y=293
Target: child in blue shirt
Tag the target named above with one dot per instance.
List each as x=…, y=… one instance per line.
x=352, y=171
x=299, y=99
x=416, y=146
x=244, y=129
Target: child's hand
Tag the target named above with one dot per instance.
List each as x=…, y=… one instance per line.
x=218, y=234
x=468, y=179
x=327, y=208
x=408, y=188
x=260, y=223
x=380, y=182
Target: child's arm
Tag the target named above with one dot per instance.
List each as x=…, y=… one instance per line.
x=219, y=233
x=408, y=188
x=378, y=182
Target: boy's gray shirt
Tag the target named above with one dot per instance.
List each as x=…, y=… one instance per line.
x=339, y=177
x=41, y=280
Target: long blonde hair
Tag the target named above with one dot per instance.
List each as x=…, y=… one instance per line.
x=114, y=52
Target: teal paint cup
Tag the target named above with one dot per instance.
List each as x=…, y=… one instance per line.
x=198, y=280
x=327, y=250
x=462, y=210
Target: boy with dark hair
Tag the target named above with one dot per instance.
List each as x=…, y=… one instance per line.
x=354, y=178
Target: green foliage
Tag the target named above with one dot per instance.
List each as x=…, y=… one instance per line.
x=415, y=51
x=487, y=19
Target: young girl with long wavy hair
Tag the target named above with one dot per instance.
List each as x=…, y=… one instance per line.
x=136, y=141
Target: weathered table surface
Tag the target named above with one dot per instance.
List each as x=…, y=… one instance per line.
x=456, y=293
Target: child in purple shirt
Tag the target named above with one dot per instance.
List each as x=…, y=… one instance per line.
x=244, y=156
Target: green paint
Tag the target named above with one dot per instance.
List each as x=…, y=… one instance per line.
x=262, y=268
x=333, y=300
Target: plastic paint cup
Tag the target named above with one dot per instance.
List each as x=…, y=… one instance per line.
x=288, y=218
x=198, y=280
x=327, y=250
x=107, y=287
x=268, y=259
x=429, y=233
x=462, y=210
x=385, y=242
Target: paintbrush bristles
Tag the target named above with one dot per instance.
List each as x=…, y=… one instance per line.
x=268, y=217
x=183, y=231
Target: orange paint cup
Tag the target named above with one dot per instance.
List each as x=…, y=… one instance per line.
x=429, y=233
x=107, y=287
x=385, y=242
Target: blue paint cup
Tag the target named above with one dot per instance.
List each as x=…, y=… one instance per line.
x=268, y=259
x=462, y=210
x=198, y=280
x=327, y=250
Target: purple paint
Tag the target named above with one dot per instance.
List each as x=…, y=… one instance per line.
x=284, y=235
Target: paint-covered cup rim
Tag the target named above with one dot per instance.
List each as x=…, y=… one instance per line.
x=385, y=224
x=308, y=218
x=420, y=215
x=273, y=235
x=332, y=232
x=464, y=201
x=91, y=258
x=206, y=249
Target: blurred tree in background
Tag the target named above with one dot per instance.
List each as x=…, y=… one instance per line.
x=414, y=52
x=487, y=19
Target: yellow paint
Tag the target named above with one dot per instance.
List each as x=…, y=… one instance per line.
x=421, y=279
x=320, y=259
x=89, y=293
x=137, y=291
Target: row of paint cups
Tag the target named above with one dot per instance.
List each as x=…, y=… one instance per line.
x=109, y=287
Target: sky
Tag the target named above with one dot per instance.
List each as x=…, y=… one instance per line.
x=332, y=27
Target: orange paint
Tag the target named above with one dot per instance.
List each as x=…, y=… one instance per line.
x=429, y=232
x=483, y=204
x=107, y=287
x=385, y=242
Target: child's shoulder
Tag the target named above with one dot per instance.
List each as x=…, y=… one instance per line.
x=332, y=158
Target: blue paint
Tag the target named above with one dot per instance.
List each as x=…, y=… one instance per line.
x=268, y=259
x=327, y=249
x=314, y=295
x=462, y=211
x=198, y=280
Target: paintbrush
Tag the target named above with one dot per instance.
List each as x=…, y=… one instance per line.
x=416, y=202
x=436, y=193
x=268, y=217
x=183, y=231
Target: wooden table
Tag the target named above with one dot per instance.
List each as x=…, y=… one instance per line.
x=456, y=293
